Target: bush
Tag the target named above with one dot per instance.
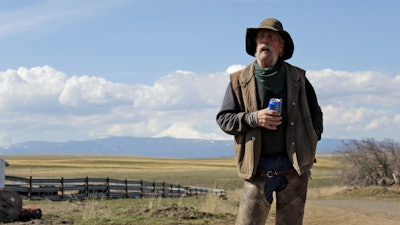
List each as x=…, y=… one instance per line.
x=368, y=162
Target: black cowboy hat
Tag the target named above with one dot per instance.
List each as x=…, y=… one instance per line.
x=271, y=24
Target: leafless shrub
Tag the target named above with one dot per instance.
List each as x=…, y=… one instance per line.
x=368, y=162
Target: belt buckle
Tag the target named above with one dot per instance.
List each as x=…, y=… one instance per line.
x=271, y=174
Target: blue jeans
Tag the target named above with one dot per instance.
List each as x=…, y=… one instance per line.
x=276, y=183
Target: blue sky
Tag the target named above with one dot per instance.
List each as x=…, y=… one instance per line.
x=77, y=70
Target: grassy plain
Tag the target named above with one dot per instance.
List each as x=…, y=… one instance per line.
x=218, y=173
x=213, y=173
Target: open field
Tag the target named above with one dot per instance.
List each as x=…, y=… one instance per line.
x=218, y=173
x=328, y=202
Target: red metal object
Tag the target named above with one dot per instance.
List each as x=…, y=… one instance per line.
x=30, y=212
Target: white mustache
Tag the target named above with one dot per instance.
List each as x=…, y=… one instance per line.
x=262, y=47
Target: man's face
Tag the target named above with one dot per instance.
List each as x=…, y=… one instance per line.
x=270, y=46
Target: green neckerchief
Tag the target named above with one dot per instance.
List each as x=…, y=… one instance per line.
x=272, y=78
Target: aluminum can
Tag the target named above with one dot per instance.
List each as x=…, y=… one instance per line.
x=275, y=104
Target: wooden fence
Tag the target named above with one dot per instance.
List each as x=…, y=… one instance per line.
x=88, y=188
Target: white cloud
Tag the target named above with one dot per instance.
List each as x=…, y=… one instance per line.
x=46, y=103
x=379, y=123
x=29, y=87
x=356, y=88
x=94, y=90
x=357, y=104
x=6, y=139
x=234, y=68
x=42, y=103
x=397, y=119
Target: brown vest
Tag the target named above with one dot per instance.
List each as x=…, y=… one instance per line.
x=301, y=139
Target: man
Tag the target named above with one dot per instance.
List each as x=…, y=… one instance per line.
x=274, y=151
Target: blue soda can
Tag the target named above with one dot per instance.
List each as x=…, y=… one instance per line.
x=275, y=104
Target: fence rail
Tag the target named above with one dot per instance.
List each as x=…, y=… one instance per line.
x=84, y=188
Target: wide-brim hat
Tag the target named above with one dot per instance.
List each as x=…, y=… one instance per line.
x=271, y=24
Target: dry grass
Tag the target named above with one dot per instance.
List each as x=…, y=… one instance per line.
x=214, y=173
x=325, y=192
x=218, y=173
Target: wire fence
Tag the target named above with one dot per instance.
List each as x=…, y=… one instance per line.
x=88, y=188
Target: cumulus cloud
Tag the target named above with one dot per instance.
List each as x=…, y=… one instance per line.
x=43, y=103
x=358, y=104
x=95, y=91
x=356, y=88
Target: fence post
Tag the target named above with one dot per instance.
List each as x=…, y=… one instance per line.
x=62, y=187
x=108, y=187
x=141, y=188
x=126, y=188
x=164, y=195
x=30, y=188
x=154, y=189
x=87, y=187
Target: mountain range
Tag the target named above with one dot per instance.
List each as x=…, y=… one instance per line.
x=143, y=146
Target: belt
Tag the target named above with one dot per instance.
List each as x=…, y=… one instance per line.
x=271, y=173
x=275, y=155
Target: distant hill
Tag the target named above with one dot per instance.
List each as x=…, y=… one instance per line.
x=140, y=146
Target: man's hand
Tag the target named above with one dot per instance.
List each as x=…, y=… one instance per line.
x=269, y=119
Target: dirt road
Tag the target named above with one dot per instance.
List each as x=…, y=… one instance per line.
x=350, y=212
